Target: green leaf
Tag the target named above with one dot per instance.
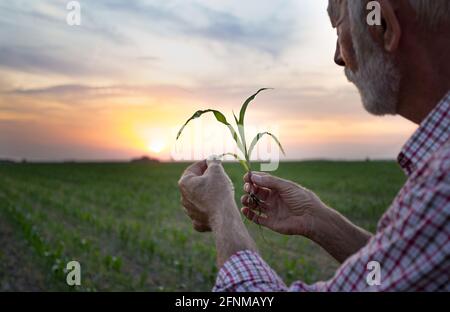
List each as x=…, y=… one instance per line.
x=235, y=119
x=245, y=105
x=259, y=136
x=220, y=118
x=241, y=161
x=242, y=135
x=236, y=139
x=244, y=142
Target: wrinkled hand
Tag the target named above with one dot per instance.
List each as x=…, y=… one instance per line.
x=206, y=192
x=285, y=206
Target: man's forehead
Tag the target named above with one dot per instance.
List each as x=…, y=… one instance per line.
x=336, y=10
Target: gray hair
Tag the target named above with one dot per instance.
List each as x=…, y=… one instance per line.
x=431, y=12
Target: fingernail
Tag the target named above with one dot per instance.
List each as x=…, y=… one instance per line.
x=256, y=178
x=247, y=187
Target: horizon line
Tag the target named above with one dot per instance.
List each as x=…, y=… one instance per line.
x=165, y=161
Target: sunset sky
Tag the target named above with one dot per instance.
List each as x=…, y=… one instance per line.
x=122, y=83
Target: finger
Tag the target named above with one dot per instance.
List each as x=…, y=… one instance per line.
x=196, y=169
x=255, y=218
x=247, y=187
x=261, y=192
x=185, y=181
x=253, y=203
x=188, y=213
x=246, y=200
x=200, y=227
x=269, y=181
x=213, y=160
x=188, y=208
x=247, y=176
x=185, y=198
x=186, y=204
x=214, y=166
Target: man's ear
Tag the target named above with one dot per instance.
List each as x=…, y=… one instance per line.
x=388, y=34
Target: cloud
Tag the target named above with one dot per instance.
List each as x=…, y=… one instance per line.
x=37, y=60
x=34, y=38
x=148, y=58
x=64, y=100
x=117, y=36
x=271, y=35
x=302, y=103
x=86, y=91
x=27, y=19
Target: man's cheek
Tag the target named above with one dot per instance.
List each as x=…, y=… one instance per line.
x=347, y=51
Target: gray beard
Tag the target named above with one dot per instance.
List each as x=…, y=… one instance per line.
x=377, y=77
x=378, y=83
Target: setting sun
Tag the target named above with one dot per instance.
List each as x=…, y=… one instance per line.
x=156, y=146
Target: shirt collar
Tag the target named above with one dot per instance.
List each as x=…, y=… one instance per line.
x=433, y=132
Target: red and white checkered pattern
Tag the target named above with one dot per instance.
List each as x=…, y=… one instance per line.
x=412, y=242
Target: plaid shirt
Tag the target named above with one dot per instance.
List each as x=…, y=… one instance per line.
x=412, y=242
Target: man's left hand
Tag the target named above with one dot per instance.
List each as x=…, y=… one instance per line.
x=206, y=193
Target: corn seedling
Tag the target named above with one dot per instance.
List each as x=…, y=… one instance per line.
x=238, y=135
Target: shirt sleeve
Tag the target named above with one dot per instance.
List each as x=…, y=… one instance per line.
x=412, y=252
x=246, y=271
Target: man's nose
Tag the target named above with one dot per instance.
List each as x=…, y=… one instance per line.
x=338, y=57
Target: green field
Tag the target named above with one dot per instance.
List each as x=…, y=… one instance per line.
x=124, y=224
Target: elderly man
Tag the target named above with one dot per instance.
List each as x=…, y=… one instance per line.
x=400, y=67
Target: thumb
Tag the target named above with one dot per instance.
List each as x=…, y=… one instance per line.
x=269, y=181
x=213, y=161
x=214, y=166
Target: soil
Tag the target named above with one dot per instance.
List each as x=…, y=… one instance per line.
x=18, y=271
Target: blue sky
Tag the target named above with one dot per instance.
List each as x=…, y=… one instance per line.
x=135, y=70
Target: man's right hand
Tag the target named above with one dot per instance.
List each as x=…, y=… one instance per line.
x=285, y=207
x=288, y=208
